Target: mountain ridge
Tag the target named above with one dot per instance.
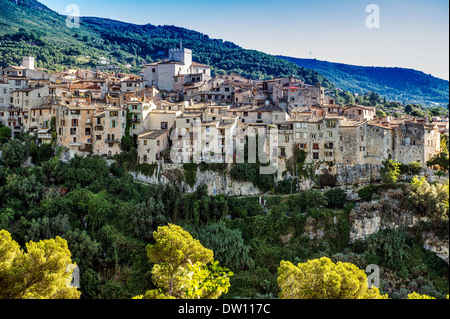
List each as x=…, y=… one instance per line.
x=391, y=82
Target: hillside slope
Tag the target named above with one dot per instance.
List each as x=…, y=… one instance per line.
x=28, y=27
x=397, y=84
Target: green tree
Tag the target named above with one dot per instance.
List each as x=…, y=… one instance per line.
x=336, y=198
x=440, y=160
x=429, y=200
x=183, y=268
x=408, y=109
x=14, y=153
x=381, y=113
x=415, y=168
x=228, y=245
x=5, y=134
x=323, y=279
x=390, y=171
x=38, y=273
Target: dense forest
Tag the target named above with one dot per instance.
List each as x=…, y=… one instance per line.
x=397, y=84
x=108, y=220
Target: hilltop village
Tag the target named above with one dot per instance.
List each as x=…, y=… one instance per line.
x=88, y=112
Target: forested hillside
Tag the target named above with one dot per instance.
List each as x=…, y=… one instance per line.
x=29, y=28
x=396, y=84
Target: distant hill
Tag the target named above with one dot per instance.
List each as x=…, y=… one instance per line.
x=397, y=84
x=27, y=27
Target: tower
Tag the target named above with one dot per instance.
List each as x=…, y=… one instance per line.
x=181, y=54
x=28, y=62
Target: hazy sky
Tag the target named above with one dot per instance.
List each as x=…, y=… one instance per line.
x=412, y=34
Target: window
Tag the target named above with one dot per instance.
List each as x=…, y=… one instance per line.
x=158, y=143
x=330, y=134
x=282, y=152
x=74, y=121
x=286, y=138
x=145, y=142
x=73, y=131
x=315, y=155
x=98, y=137
x=87, y=131
x=153, y=70
x=406, y=141
x=245, y=113
x=145, y=158
x=164, y=125
x=331, y=124
x=315, y=146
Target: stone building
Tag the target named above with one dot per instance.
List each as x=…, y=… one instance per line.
x=165, y=74
x=150, y=145
x=109, y=128
x=74, y=127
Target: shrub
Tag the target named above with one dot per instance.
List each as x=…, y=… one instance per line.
x=190, y=173
x=366, y=193
x=336, y=198
x=326, y=179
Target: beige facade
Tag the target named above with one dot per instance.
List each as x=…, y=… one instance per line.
x=74, y=128
x=109, y=128
x=150, y=145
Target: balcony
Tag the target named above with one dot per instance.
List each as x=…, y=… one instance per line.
x=45, y=136
x=85, y=148
x=75, y=144
x=111, y=141
x=99, y=128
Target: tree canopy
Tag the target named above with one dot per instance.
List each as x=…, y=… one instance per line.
x=323, y=279
x=39, y=273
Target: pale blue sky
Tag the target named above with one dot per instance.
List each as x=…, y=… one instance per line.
x=412, y=34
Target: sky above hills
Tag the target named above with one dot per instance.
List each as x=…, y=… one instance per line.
x=411, y=34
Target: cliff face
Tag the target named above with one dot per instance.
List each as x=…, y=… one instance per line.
x=389, y=212
x=217, y=183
